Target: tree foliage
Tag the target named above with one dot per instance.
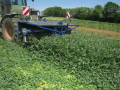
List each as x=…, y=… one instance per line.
x=98, y=12
x=110, y=11
x=54, y=11
x=82, y=13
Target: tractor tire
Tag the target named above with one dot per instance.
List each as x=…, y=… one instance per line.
x=9, y=29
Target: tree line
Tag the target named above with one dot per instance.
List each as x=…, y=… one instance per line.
x=110, y=12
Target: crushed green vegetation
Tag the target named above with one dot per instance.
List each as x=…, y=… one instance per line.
x=70, y=62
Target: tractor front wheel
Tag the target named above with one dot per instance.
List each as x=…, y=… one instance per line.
x=9, y=29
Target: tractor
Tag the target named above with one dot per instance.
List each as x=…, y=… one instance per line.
x=17, y=20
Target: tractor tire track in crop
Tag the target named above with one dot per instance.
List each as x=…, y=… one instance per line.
x=107, y=33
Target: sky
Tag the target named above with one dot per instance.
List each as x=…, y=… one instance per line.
x=43, y=4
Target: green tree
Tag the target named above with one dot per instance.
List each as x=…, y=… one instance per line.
x=54, y=11
x=118, y=16
x=98, y=12
x=82, y=13
x=110, y=11
x=48, y=12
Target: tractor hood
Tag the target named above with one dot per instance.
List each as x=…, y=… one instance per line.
x=17, y=9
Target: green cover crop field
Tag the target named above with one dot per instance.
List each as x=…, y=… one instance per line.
x=71, y=62
x=91, y=24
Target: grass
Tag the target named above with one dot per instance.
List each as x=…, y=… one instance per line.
x=91, y=24
x=72, y=62
x=108, y=34
x=55, y=18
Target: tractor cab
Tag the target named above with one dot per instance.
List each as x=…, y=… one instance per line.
x=11, y=6
x=14, y=2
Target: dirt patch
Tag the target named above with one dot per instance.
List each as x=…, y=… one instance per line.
x=107, y=33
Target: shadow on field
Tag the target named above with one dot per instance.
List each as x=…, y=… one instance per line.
x=0, y=35
x=34, y=38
